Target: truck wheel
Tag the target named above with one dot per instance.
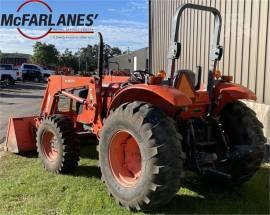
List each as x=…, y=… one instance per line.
x=246, y=140
x=6, y=80
x=57, y=144
x=140, y=156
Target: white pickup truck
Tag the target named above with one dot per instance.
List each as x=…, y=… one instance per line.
x=9, y=74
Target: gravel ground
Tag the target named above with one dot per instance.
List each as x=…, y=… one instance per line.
x=19, y=100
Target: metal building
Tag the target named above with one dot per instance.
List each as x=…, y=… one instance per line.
x=15, y=58
x=137, y=60
x=245, y=38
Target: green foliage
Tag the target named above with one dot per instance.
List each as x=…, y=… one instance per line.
x=26, y=188
x=110, y=52
x=84, y=60
x=88, y=56
x=115, y=51
x=67, y=59
x=45, y=54
x=1, y=55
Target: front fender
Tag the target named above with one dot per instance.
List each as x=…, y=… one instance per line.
x=168, y=99
x=230, y=92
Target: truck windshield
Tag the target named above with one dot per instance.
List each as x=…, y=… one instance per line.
x=6, y=67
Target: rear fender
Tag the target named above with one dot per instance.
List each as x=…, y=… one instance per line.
x=168, y=99
x=229, y=92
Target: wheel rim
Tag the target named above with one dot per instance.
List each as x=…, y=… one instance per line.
x=6, y=82
x=49, y=146
x=125, y=158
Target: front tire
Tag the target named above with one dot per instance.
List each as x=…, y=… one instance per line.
x=140, y=156
x=57, y=144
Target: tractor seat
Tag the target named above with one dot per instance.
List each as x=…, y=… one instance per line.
x=185, y=82
x=189, y=73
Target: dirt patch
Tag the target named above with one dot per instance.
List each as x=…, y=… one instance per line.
x=2, y=147
x=3, y=154
x=2, y=140
x=2, y=151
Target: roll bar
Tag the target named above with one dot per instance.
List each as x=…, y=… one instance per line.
x=100, y=56
x=175, y=45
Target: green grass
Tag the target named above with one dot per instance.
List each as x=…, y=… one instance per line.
x=26, y=188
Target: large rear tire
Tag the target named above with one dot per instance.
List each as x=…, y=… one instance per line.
x=246, y=141
x=140, y=156
x=57, y=144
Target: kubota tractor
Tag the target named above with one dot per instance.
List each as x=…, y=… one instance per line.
x=149, y=129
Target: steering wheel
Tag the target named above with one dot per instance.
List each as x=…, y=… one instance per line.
x=139, y=76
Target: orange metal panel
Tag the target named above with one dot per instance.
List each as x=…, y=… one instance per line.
x=167, y=98
x=20, y=135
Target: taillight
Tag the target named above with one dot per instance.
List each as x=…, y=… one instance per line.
x=17, y=73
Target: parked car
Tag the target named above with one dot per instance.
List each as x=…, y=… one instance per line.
x=33, y=72
x=9, y=74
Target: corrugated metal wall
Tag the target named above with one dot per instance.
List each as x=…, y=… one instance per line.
x=245, y=38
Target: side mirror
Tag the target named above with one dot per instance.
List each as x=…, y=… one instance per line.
x=216, y=54
x=174, y=50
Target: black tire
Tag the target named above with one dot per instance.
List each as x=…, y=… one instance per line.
x=161, y=156
x=6, y=80
x=12, y=81
x=66, y=143
x=246, y=140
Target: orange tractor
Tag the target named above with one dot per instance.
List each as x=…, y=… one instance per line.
x=149, y=129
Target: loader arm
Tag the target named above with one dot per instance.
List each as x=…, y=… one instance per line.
x=59, y=84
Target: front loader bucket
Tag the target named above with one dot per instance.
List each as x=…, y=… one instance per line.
x=20, y=135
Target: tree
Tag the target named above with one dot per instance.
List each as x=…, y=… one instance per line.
x=116, y=51
x=45, y=54
x=110, y=52
x=68, y=59
x=88, y=56
x=1, y=55
x=127, y=51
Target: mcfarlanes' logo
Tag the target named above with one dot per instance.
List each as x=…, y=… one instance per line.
x=47, y=19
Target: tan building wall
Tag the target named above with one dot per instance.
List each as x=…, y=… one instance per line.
x=245, y=38
x=126, y=61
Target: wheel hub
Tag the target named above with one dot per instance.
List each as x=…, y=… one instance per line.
x=125, y=158
x=50, y=149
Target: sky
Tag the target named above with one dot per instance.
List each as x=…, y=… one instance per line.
x=124, y=23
